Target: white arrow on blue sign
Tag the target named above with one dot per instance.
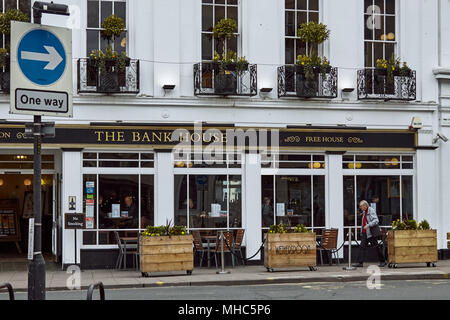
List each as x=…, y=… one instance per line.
x=41, y=57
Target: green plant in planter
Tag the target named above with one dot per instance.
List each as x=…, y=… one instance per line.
x=300, y=228
x=224, y=29
x=102, y=58
x=166, y=230
x=313, y=33
x=112, y=26
x=392, y=65
x=424, y=225
x=11, y=15
x=230, y=58
x=278, y=228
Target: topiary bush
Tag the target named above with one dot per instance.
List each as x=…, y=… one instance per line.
x=11, y=15
x=112, y=26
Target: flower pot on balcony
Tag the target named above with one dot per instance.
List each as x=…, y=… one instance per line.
x=306, y=86
x=225, y=84
x=383, y=84
x=109, y=82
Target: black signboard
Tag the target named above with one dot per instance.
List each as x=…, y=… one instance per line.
x=75, y=220
x=169, y=137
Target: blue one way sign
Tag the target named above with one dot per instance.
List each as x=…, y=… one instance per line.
x=41, y=70
x=41, y=57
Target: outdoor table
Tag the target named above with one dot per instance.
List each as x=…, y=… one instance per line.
x=126, y=240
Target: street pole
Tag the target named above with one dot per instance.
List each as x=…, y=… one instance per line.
x=36, y=271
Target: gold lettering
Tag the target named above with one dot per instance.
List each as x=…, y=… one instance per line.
x=110, y=135
x=193, y=137
x=309, y=139
x=224, y=137
x=99, y=135
x=120, y=137
x=216, y=137
x=167, y=136
x=136, y=136
x=5, y=135
x=145, y=137
x=155, y=135
x=207, y=140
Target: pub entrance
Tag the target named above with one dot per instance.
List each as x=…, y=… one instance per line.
x=16, y=209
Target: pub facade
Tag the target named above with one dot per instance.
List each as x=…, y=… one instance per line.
x=167, y=147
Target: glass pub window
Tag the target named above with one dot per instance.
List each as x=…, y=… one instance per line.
x=97, y=10
x=379, y=31
x=296, y=13
x=212, y=12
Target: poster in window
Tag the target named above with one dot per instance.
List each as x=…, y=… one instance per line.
x=393, y=188
x=280, y=209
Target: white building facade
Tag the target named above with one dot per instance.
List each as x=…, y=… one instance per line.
x=337, y=146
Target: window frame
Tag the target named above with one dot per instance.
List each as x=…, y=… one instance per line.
x=99, y=29
x=237, y=34
x=295, y=37
x=373, y=41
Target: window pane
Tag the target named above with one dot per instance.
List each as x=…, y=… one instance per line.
x=382, y=193
x=10, y=4
x=232, y=12
x=301, y=18
x=25, y=7
x=92, y=14
x=300, y=47
x=389, y=50
x=390, y=28
x=290, y=23
x=289, y=4
x=89, y=155
x=319, y=201
x=92, y=40
x=313, y=16
x=232, y=44
x=314, y=5
x=378, y=51
x=207, y=18
x=293, y=200
x=302, y=4
x=349, y=201
x=148, y=201
x=134, y=156
x=220, y=13
x=120, y=11
x=106, y=10
x=89, y=237
x=235, y=201
x=206, y=47
x=289, y=51
x=267, y=211
x=232, y=2
x=220, y=1
x=407, y=198
x=379, y=29
x=368, y=55
x=120, y=43
x=368, y=28
x=180, y=196
x=120, y=200
x=379, y=6
x=390, y=6
x=368, y=5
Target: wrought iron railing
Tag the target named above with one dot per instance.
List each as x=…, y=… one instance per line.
x=92, y=80
x=208, y=80
x=377, y=84
x=292, y=82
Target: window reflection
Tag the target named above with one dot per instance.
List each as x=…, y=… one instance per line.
x=214, y=201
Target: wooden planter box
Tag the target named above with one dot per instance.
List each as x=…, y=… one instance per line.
x=412, y=246
x=289, y=250
x=166, y=254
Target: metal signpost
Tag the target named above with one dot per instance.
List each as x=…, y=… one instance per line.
x=41, y=84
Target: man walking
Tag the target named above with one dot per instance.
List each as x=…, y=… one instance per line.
x=369, y=234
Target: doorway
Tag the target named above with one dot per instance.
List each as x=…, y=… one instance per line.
x=16, y=208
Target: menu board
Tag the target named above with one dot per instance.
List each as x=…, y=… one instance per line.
x=9, y=226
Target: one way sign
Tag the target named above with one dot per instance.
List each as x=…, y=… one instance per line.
x=41, y=70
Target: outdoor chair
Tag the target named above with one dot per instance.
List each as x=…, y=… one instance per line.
x=328, y=243
x=133, y=252
x=227, y=245
x=199, y=246
x=237, y=245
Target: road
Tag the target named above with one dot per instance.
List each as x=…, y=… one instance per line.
x=389, y=290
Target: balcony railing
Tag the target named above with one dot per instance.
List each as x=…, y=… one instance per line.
x=292, y=82
x=376, y=84
x=92, y=80
x=209, y=81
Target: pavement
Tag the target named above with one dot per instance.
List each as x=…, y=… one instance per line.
x=240, y=275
